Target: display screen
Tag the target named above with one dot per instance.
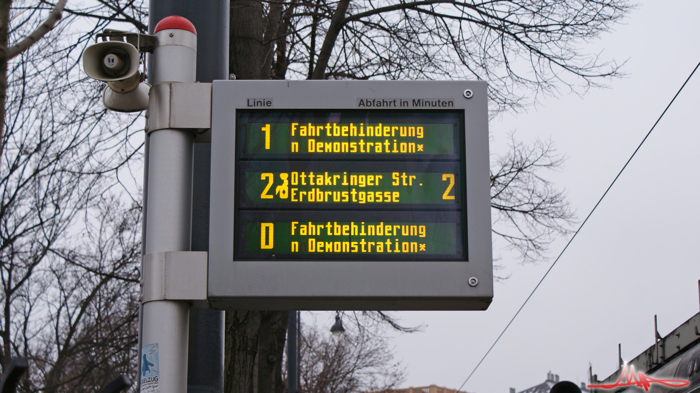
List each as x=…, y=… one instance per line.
x=335, y=234
x=389, y=134
x=350, y=184
x=344, y=185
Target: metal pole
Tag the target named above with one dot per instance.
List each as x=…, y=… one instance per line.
x=298, y=333
x=206, y=337
x=165, y=323
x=292, y=352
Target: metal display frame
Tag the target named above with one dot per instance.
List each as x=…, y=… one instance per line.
x=350, y=284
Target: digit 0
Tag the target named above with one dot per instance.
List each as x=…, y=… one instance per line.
x=267, y=235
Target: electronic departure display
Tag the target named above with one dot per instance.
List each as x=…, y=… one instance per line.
x=341, y=185
x=349, y=195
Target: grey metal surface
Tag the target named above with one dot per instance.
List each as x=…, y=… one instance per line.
x=181, y=50
x=180, y=106
x=175, y=275
x=169, y=191
x=93, y=58
x=133, y=101
x=358, y=284
x=158, y=107
x=211, y=19
x=170, y=37
x=662, y=358
x=165, y=323
x=292, y=352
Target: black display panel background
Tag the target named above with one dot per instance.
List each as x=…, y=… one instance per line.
x=347, y=216
x=379, y=211
x=318, y=167
x=349, y=116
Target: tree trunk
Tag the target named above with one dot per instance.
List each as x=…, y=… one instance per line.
x=253, y=336
x=272, y=27
x=5, y=6
x=240, y=350
x=270, y=351
x=279, y=67
x=246, y=54
x=329, y=42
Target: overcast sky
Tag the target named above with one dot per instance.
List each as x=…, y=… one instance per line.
x=639, y=255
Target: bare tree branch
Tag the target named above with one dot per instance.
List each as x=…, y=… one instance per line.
x=394, y=7
x=36, y=35
x=528, y=209
x=356, y=361
x=329, y=42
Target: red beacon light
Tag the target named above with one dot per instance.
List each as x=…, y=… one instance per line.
x=175, y=22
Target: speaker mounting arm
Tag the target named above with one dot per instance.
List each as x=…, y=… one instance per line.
x=142, y=42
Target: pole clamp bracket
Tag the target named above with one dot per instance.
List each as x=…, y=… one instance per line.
x=176, y=275
x=180, y=106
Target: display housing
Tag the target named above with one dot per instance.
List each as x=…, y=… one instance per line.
x=350, y=195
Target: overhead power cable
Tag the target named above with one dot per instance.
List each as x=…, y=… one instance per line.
x=580, y=226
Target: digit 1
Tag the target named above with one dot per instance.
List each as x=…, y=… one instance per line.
x=266, y=130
